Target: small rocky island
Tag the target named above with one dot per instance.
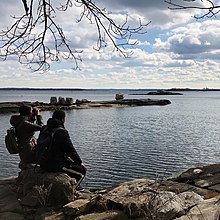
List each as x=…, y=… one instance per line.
x=68, y=104
x=163, y=92
x=33, y=195
x=159, y=92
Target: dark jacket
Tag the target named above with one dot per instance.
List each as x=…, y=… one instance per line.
x=62, y=149
x=25, y=135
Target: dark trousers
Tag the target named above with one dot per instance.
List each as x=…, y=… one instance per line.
x=75, y=171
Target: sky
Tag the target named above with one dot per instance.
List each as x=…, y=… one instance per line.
x=177, y=50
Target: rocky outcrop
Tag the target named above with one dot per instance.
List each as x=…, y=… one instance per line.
x=163, y=92
x=82, y=102
x=158, y=92
x=206, y=177
x=36, y=195
x=138, y=102
x=6, y=107
x=67, y=104
x=119, y=96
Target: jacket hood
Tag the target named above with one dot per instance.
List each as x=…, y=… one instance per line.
x=16, y=120
x=54, y=123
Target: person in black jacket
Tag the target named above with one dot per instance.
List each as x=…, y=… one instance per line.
x=25, y=128
x=62, y=156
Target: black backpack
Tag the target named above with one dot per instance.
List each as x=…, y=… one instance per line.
x=44, y=143
x=11, y=141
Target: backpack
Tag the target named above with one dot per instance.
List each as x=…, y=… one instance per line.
x=44, y=143
x=11, y=141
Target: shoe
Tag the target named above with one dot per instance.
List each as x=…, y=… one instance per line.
x=79, y=188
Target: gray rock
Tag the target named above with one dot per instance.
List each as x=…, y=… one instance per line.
x=168, y=205
x=199, y=173
x=184, y=187
x=82, y=101
x=119, y=96
x=69, y=101
x=108, y=215
x=51, y=196
x=45, y=189
x=77, y=207
x=208, y=209
x=51, y=216
x=207, y=180
x=215, y=187
x=53, y=100
x=144, y=198
x=62, y=101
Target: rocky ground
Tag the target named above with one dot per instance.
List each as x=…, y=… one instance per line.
x=194, y=195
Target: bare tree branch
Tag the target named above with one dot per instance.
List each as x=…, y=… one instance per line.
x=37, y=39
x=25, y=6
x=209, y=11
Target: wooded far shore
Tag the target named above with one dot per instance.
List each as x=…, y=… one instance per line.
x=81, y=89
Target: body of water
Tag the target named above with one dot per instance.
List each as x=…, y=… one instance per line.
x=121, y=144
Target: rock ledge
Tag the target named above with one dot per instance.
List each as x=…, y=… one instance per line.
x=33, y=195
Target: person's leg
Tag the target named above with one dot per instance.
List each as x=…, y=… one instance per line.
x=75, y=171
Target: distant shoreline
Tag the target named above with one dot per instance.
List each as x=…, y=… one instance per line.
x=110, y=89
x=44, y=89
x=187, y=89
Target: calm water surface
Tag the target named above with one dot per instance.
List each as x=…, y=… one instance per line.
x=120, y=144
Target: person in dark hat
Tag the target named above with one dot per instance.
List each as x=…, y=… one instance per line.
x=26, y=124
x=62, y=156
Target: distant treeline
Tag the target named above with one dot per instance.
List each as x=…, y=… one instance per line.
x=75, y=89
x=79, y=89
x=188, y=89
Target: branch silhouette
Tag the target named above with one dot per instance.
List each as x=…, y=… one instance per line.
x=210, y=10
x=36, y=38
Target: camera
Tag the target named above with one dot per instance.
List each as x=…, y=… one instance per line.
x=34, y=113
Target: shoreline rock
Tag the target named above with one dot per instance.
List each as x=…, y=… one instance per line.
x=180, y=198
x=12, y=107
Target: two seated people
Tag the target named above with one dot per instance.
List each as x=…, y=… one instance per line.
x=62, y=156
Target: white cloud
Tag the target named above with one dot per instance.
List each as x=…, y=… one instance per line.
x=198, y=40
x=182, y=53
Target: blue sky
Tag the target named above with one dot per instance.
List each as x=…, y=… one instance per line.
x=176, y=51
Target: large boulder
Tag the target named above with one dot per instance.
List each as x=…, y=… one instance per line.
x=144, y=198
x=208, y=209
x=205, y=177
x=37, y=188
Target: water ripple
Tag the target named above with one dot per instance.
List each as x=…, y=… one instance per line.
x=121, y=144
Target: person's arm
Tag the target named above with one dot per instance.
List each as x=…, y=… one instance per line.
x=32, y=127
x=38, y=116
x=39, y=120
x=68, y=147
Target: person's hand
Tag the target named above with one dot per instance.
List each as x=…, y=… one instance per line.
x=33, y=144
x=36, y=111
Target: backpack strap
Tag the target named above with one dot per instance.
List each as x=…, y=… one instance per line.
x=54, y=130
x=16, y=127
